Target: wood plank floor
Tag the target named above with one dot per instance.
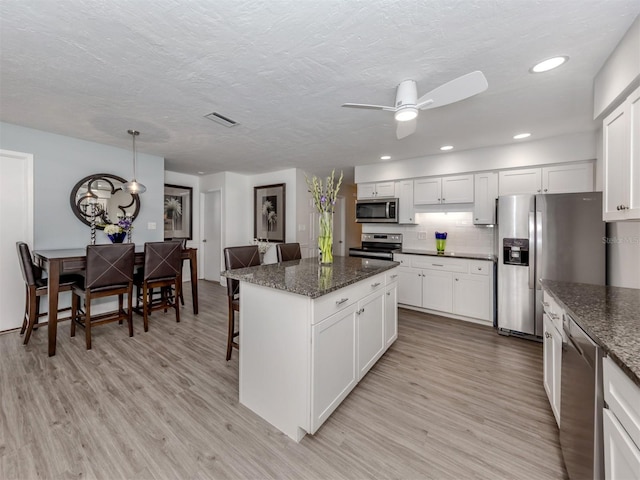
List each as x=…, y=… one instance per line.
x=449, y=400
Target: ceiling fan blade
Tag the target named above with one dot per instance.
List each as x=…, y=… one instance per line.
x=457, y=89
x=406, y=128
x=369, y=107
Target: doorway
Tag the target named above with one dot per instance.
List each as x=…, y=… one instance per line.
x=212, y=235
x=16, y=224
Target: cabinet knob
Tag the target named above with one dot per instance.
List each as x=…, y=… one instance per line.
x=545, y=189
x=618, y=207
x=538, y=190
x=547, y=334
x=476, y=219
x=456, y=279
x=388, y=294
x=438, y=199
x=443, y=199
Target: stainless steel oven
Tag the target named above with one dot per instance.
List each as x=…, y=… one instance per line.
x=378, y=245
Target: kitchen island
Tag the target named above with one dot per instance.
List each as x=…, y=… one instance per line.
x=309, y=333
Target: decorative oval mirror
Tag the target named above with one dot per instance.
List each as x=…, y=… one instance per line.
x=103, y=193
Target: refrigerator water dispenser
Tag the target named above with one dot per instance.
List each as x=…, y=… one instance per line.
x=516, y=251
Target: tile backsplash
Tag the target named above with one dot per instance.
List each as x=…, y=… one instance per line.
x=462, y=235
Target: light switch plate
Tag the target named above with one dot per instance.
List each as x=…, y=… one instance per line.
x=151, y=226
x=422, y=235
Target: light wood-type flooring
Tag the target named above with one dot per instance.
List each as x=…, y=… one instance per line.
x=449, y=400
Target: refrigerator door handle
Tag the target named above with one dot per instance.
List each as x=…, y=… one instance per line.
x=532, y=250
x=538, y=249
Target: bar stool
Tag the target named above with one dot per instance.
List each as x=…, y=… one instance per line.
x=237, y=257
x=35, y=288
x=288, y=251
x=109, y=272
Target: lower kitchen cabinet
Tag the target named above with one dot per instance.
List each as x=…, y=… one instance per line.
x=552, y=361
x=391, y=314
x=621, y=423
x=453, y=286
x=370, y=328
x=552, y=352
x=334, y=362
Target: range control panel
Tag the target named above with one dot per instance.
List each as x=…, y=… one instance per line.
x=516, y=251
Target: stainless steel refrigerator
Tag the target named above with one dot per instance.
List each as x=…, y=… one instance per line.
x=555, y=237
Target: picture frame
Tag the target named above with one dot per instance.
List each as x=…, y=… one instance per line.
x=269, y=209
x=178, y=212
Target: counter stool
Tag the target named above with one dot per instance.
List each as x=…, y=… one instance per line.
x=288, y=251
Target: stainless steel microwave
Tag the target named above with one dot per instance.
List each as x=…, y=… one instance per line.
x=379, y=210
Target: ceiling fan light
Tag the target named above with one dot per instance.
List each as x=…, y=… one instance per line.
x=406, y=114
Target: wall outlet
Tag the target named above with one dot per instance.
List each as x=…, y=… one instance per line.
x=422, y=235
x=151, y=226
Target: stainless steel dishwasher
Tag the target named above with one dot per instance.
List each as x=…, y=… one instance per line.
x=581, y=404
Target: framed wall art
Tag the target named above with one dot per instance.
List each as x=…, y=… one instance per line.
x=269, y=213
x=178, y=217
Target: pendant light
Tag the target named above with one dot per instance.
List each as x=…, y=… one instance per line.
x=133, y=186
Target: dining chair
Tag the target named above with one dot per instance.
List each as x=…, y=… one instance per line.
x=288, y=251
x=35, y=288
x=163, y=271
x=237, y=257
x=109, y=272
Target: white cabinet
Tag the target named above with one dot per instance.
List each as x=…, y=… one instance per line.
x=437, y=290
x=391, y=314
x=443, y=190
x=404, y=190
x=568, y=178
x=621, y=423
x=485, y=195
x=621, y=155
x=370, y=323
x=334, y=363
x=552, y=352
x=454, y=286
x=376, y=190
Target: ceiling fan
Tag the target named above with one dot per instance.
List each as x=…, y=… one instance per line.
x=407, y=101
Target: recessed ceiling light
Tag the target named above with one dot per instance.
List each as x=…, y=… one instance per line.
x=385, y=157
x=446, y=147
x=549, y=64
x=200, y=173
x=520, y=136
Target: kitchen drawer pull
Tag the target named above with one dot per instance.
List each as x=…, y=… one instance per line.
x=341, y=301
x=546, y=304
x=394, y=276
x=437, y=265
x=360, y=312
x=374, y=285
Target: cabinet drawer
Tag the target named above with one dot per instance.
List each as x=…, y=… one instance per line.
x=480, y=268
x=552, y=309
x=455, y=265
x=404, y=259
x=335, y=301
x=390, y=276
x=622, y=397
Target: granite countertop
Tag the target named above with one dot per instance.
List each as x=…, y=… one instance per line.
x=609, y=315
x=470, y=256
x=306, y=277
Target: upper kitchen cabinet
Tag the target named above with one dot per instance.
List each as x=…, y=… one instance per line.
x=486, y=192
x=437, y=190
x=407, y=213
x=376, y=190
x=621, y=152
x=569, y=178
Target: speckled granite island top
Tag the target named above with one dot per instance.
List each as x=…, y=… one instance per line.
x=306, y=277
x=469, y=256
x=609, y=315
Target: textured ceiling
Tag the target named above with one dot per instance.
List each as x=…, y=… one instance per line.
x=92, y=70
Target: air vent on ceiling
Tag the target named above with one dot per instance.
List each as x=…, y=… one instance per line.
x=221, y=119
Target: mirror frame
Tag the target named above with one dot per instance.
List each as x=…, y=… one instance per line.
x=111, y=180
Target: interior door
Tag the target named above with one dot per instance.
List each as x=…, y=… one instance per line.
x=16, y=224
x=212, y=241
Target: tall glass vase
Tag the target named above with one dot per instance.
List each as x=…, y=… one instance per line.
x=325, y=238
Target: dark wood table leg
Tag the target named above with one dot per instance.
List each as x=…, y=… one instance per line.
x=53, y=288
x=193, y=265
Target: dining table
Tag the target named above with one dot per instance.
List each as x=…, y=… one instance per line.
x=58, y=262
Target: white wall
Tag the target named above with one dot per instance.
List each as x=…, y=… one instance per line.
x=561, y=149
x=60, y=162
x=192, y=181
